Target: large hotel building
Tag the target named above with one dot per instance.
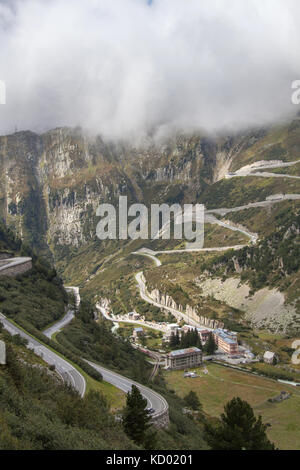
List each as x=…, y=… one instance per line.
x=184, y=358
x=226, y=341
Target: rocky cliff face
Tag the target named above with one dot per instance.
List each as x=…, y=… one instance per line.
x=21, y=199
x=51, y=184
x=192, y=312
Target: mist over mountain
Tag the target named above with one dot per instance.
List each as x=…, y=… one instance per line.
x=129, y=67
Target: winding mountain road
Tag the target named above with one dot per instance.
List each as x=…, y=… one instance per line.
x=267, y=202
x=149, y=254
x=254, y=170
x=266, y=174
x=67, y=318
x=60, y=324
x=209, y=218
x=145, y=296
x=154, y=400
x=104, y=313
x=67, y=372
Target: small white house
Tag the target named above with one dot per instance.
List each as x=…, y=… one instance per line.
x=138, y=332
x=270, y=357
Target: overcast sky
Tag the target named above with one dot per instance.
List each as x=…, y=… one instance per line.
x=123, y=68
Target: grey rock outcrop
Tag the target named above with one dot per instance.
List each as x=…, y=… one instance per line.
x=192, y=312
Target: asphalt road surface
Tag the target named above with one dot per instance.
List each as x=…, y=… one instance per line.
x=68, y=317
x=254, y=169
x=133, y=322
x=268, y=202
x=154, y=400
x=67, y=372
x=149, y=254
x=9, y=262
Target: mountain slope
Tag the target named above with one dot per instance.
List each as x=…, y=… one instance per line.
x=38, y=412
x=51, y=185
x=36, y=297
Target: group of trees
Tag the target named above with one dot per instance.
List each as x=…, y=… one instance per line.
x=185, y=340
x=237, y=429
x=35, y=297
x=210, y=346
x=8, y=240
x=192, y=338
x=39, y=412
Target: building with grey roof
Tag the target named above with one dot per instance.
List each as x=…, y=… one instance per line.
x=184, y=358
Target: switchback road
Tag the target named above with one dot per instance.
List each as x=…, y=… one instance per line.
x=154, y=400
x=67, y=372
x=49, y=332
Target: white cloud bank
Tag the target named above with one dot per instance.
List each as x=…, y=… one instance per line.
x=124, y=67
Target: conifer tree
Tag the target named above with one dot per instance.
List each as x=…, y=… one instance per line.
x=173, y=341
x=239, y=429
x=177, y=339
x=192, y=401
x=136, y=418
x=210, y=345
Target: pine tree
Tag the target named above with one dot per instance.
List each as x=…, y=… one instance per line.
x=182, y=340
x=189, y=339
x=136, y=418
x=173, y=341
x=192, y=401
x=196, y=339
x=210, y=345
x=199, y=342
x=193, y=337
x=239, y=429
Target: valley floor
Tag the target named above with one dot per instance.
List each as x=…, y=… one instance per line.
x=222, y=384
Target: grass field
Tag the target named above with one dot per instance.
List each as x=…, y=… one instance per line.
x=222, y=384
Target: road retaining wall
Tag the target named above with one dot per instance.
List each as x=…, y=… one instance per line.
x=15, y=269
x=162, y=420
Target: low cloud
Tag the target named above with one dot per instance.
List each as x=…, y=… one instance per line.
x=124, y=68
